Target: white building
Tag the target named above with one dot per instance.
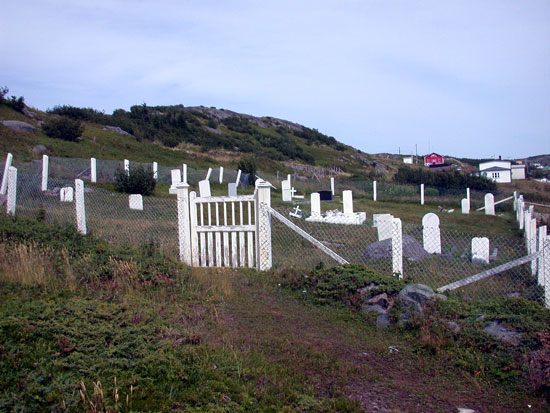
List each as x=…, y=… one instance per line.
x=518, y=172
x=408, y=159
x=498, y=171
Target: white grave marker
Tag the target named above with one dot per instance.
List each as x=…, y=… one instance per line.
x=127, y=166
x=66, y=194
x=287, y=191
x=221, y=174
x=431, y=233
x=80, y=207
x=232, y=189
x=347, y=197
x=489, y=204
x=204, y=188
x=4, y=188
x=184, y=178
x=155, y=171
x=315, y=204
x=93, y=170
x=468, y=195
x=11, y=191
x=421, y=194
x=175, y=174
x=374, y=191
x=238, y=180
x=465, y=206
x=208, y=174
x=332, y=185
x=136, y=201
x=480, y=249
x=384, y=226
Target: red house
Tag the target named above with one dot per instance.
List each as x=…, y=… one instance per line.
x=434, y=159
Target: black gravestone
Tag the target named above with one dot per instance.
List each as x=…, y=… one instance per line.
x=325, y=195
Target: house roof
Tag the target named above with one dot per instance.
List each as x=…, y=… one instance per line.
x=495, y=169
x=433, y=154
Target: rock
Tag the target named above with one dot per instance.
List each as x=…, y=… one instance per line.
x=514, y=295
x=464, y=410
x=453, y=326
x=52, y=192
x=39, y=149
x=481, y=317
x=18, y=126
x=383, y=321
x=415, y=296
x=499, y=331
x=412, y=249
x=116, y=129
x=29, y=113
x=373, y=308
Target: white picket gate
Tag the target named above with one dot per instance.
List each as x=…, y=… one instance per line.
x=225, y=231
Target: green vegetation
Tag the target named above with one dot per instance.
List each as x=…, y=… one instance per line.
x=64, y=128
x=139, y=181
x=446, y=180
x=16, y=103
x=248, y=166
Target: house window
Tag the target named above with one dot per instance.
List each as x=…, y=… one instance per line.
x=496, y=175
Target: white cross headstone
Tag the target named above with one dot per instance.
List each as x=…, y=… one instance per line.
x=4, y=187
x=347, y=197
x=315, y=204
x=297, y=213
x=66, y=194
x=431, y=233
x=204, y=188
x=480, y=249
x=465, y=206
x=136, y=201
x=489, y=204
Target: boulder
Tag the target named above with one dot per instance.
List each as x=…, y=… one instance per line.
x=383, y=321
x=18, y=125
x=39, y=149
x=503, y=333
x=412, y=249
x=415, y=296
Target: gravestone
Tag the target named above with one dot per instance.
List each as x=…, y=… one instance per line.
x=374, y=191
x=66, y=194
x=431, y=233
x=332, y=187
x=93, y=170
x=489, y=204
x=383, y=223
x=221, y=175
x=45, y=170
x=287, y=194
x=232, y=189
x=480, y=250
x=136, y=202
x=315, y=204
x=325, y=195
x=204, y=188
x=421, y=194
x=127, y=166
x=465, y=206
x=155, y=171
x=347, y=197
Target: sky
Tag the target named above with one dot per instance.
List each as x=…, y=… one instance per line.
x=462, y=78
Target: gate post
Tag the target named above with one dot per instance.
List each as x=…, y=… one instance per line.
x=262, y=197
x=11, y=186
x=184, y=231
x=80, y=206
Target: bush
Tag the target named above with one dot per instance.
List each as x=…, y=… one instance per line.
x=63, y=128
x=248, y=166
x=139, y=181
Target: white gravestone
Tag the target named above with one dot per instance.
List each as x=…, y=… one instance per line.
x=465, y=206
x=155, y=171
x=431, y=233
x=421, y=194
x=221, y=174
x=489, y=204
x=332, y=186
x=66, y=194
x=468, y=195
x=127, y=166
x=136, y=202
x=238, y=180
x=176, y=180
x=384, y=226
x=80, y=206
x=93, y=170
x=204, y=188
x=480, y=249
x=4, y=188
x=347, y=197
x=184, y=177
x=374, y=191
x=287, y=191
x=232, y=189
x=315, y=204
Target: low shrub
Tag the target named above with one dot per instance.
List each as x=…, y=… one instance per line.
x=63, y=128
x=138, y=181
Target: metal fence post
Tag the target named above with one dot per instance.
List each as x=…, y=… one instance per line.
x=12, y=190
x=184, y=231
x=264, y=259
x=80, y=208
x=4, y=186
x=397, y=247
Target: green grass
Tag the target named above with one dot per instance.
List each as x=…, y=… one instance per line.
x=208, y=340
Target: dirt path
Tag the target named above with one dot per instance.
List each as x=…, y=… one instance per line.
x=350, y=357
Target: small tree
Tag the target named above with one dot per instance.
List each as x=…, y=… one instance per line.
x=63, y=128
x=248, y=166
x=138, y=181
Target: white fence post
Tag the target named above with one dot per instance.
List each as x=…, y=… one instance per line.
x=421, y=194
x=80, y=207
x=184, y=230
x=374, y=194
x=127, y=166
x=533, y=243
x=468, y=196
x=540, y=259
x=4, y=187
x=546, y=272
x=264, y=259
x=397, y=247
x=221, y=175
x=45, y=167
x=155, y=171
x=12, y=190
x=93, y=170
x=332, y=185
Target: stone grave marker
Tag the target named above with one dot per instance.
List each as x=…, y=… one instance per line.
x=232, y=189
x=287, y=190
x=136, y=202
x=315, y=204
x=204, y=188
x=347, y=197
x=176, y=179
x=480, y=249
x=66, y=194
x=465, y=203
x=489, y=204
x=383, y=224
x=431, y=233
